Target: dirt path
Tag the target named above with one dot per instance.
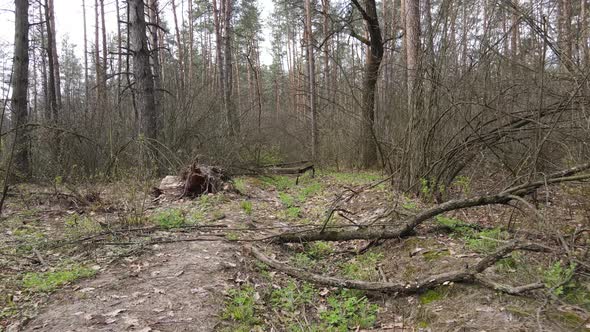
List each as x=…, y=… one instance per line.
x=176, y=287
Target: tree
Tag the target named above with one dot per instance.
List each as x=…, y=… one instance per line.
x=144, y=81
x=19, y=87
x=311, y=80
x=373, y=61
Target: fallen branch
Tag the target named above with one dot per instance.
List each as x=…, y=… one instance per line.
x=409, y=224
x=467, y=275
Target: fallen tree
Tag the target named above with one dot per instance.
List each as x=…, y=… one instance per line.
x=468, y=275
x=193, y=181
x=407, y=226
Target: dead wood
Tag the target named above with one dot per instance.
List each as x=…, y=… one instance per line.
x=406, y=227
x=467, y=275
x=193, y=181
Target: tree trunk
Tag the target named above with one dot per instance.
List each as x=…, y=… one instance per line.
x=53, y=44
x=180, y=49
x=144, y=83
x=373, y=62
x=232, y=118
x=51, y=89
x=311, y=80
x=86, y=76
x=19, y=87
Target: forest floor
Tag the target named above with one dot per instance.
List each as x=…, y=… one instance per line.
x=113, y=259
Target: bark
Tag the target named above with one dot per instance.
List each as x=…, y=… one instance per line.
x=19, y=87
x=144, y=83
x=311, y=80
x=373, y=62
x=153, y=10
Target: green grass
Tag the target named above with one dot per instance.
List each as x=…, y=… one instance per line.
x=50, y=281
x=309, y=191
x=281, y=183
x=240, y=184
x=247, y=207
x=79, y=226
x=362, y=267
x=291, y=297
x=487, y=241
x=433, y=295
x=302, y=260
x=241, y=308
x=348, y=310
x=318, y=249
x=170, y=219
x=287, y=199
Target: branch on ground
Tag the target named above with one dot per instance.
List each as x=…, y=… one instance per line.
x=467, y=275
x=408, y=225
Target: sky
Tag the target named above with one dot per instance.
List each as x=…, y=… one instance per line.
x=69, y=21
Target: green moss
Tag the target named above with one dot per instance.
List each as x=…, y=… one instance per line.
x=49, y=281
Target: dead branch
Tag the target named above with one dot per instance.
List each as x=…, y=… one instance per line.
x=467, y=275
x=409, y=224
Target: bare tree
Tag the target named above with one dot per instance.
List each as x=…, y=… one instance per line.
x=144, y=82
x=311, y=80
x=20, y=85
x=374, y=56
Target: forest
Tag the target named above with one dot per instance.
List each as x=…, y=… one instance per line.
x=295, y=165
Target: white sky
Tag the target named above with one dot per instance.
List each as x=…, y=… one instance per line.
x=69, y=21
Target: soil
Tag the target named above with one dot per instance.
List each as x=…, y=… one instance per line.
x=176, y=287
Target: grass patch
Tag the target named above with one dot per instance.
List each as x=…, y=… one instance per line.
x=292, y=297
x=287, y=200
x=302, y=260
x=170, y=219
x=281, y=183
x=433, y=295
x=348, y=310
x=487, y=241
x=246, y=207
x=240, y=308
x=77, y=226
x=309, y=191
x=362, y=267
x=240, y=185
x=318, y=249
x=50, y=281
x=456, y=226
x=435, y=254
